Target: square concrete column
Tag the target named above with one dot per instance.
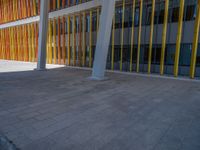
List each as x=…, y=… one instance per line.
x=43, y=28
x=103, y=39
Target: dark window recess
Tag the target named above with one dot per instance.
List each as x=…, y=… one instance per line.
x=126, y=24
x=161, y=17
x=137, y=16
x=155, y=17
x=146, y=54
x=71, y=26
x=126, y=54
x=148, y=20
x=87, y=25
x=118, y=25
x=148, y=15
x=117, y=54
x=190, y=12
x=135, y=54
x=152, y=56
x=158, y=55
x=169, y=56
x=198, y=56
x=198, y=60
x=175, y=14
x=61, y=30
x=94, y=23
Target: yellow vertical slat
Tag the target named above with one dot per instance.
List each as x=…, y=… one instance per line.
x=33, y=42
x=54, y=42
x=80, y=40
x=34, y=7
x=164, y=36
x=1, y=41
x=74, y=40
x=179, y=36
x=14, y=11
x=29, y=42
x=139, y=37
x=68, y=43
x=122, y=36
x=47, y=45
x=151, y=36
x=132, y=36
x=23, y=42
x=18, y=42
x=11, y=44
x=63, y=41
x=3, y=45
x=195, y=43
x=90, y=41
x=50, y=42
x=58, y=4
x=59, y=42
x=84, y=41
x=113, y=43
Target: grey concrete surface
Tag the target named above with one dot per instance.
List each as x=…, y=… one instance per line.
x=60, y=109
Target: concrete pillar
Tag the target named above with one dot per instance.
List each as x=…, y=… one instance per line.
x=43, y=28
x=103, y=39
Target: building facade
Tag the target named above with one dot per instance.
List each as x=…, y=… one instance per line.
x=149, y=36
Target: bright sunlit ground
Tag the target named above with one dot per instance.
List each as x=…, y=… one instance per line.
x=16, y=66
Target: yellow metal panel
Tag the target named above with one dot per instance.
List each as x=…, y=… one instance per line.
x=50, y=43
x=68, y=45
x=164, y=35
x=122, y=36
x=58, y=4
x=84, y=41
x=63, y=41
x=59, y=42
x=11, y=38
x=33, y=42
x=47, y=46
x=132, y=36
x=113, y=42
x=139, y=37
x=34, y=7
x=24, y=41
x=90, y=41
x=20, y=44
x=179, y=36
x=29, y=42
x=151, y=36
x=3, y=45
x=54, y=42
x=74, y=40
x=80, y=40
x=195, y=43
